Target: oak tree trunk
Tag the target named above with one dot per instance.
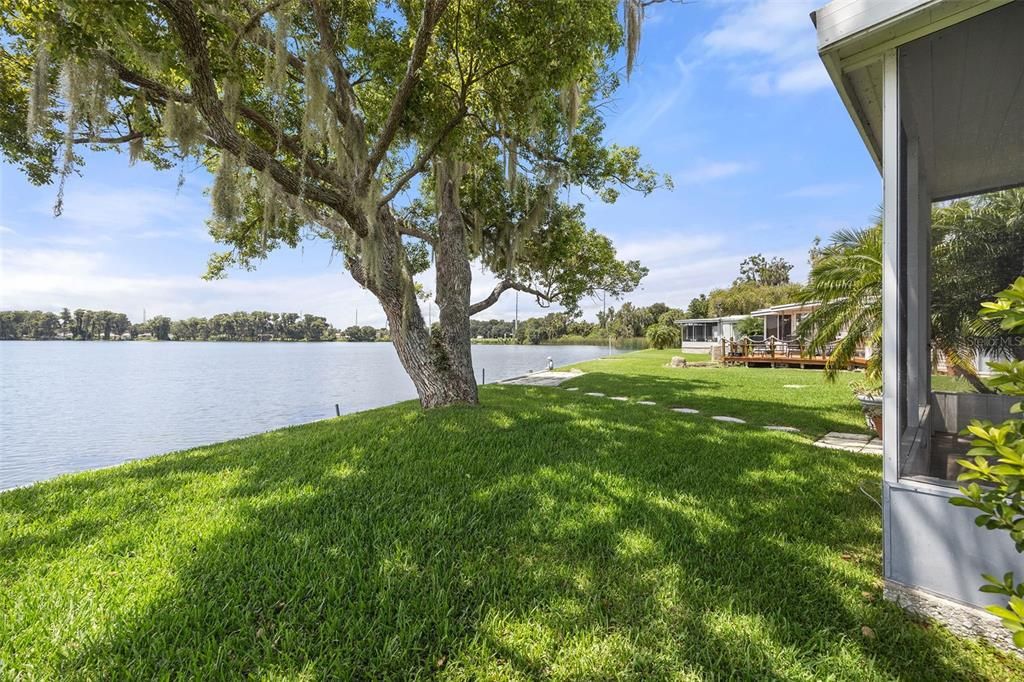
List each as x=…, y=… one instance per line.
x=439, y=363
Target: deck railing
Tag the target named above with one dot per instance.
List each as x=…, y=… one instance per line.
x=773, y=349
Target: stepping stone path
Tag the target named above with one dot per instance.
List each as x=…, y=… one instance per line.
x=794, y=386
x=596, y=395
x=646, y=402
x=787, y=429
x=619, y=397
x=574, y=388
x=731, y=420
x=685, y=410
x=851, y=442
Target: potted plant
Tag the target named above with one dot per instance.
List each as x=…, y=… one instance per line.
x=870, y=397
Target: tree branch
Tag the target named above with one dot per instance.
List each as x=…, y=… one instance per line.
x=504, y=286
x=254, y=20
x=410, y=230
x=423, y=159
x=432, y=11
x=186, y=24
x=344, y=92
x=93, y=139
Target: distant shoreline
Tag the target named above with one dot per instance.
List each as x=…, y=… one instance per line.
x=621, y=344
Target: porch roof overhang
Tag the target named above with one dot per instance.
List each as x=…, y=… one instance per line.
x=782, y=309
x=961, y=66
x=711, y=320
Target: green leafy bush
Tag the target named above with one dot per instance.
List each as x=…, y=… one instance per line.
x=662, y=335
x=997, y=461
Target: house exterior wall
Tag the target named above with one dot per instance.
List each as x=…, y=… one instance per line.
x=927, y=148
x=937, y=547
x=929, y=545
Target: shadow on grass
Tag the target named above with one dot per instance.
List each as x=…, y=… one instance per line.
x=531, y=537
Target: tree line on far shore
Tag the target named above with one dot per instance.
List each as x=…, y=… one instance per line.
x=761, y=283
x=105, y=325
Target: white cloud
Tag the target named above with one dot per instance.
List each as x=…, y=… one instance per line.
x=822, y=190
x=770, y=46
x=806, y=76
x=6, y=230
x=652, y=99
x=100, y=211
x=713, y=170
x=767, y=27
x=48, y=279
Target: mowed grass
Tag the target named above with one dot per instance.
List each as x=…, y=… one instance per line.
x=545, y=534
x=799, y=398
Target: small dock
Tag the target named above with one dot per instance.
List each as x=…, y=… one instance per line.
x=544, y=378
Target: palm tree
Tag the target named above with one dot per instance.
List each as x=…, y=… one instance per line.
x=846, y=282
x=978, y=250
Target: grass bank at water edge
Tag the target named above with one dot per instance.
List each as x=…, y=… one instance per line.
x=546, y=534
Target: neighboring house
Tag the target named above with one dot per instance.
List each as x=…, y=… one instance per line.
x=980, y=358
x=782, y=321
x=700, y=335
x=934, y=89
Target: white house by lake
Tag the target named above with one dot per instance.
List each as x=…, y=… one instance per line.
x=700, y=335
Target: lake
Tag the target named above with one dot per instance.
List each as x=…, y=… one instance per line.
x=71, y=406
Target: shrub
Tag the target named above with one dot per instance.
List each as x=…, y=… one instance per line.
x=750, y=326
x=997, y=460
x=662, y=335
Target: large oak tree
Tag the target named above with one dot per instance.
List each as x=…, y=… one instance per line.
x=405, y=133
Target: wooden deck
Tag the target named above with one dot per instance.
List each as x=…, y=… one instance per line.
x=773, y=352
x=761, y=360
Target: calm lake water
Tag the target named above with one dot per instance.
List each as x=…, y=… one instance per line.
x=70, y=406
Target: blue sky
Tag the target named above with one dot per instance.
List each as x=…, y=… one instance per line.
x=729, y=98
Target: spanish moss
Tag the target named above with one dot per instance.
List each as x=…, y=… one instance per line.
x=183, y=126
x=224, y=194
x=135, y=150
x=39, y=94
x=315, y=114
x=232, y=94
x=571, y=107
x=71, y=86
x=277, y=67
x=634, y=15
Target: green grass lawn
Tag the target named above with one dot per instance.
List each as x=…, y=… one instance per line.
x=546, y=534
x=941, y=382
x=783, y=397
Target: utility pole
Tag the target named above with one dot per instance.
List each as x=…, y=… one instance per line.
x=515, y=326
x=604, y=314
x=357, y=317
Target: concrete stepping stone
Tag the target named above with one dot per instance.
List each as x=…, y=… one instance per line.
x=874, y=447
x=574, y=388
x=619, y=397
x=850, y=442
x=685, y=410
x=596, y=395
x=787, y=429
x=794, y=385
x=731, y=420
x=646, y=402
